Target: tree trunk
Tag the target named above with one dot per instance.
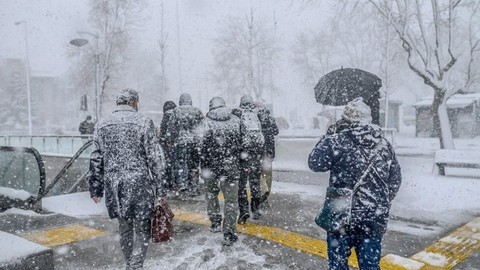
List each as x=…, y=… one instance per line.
x=441, y=123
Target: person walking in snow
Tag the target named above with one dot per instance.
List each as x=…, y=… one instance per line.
x=220, y=167
x=182, y=131
x=167, y=144
x=252, y=144
x=364, y=168
x=126, y=168
x=269, y=130
x=87, y=127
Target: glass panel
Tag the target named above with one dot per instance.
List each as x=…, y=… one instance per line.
x=37, y=143
x=65, y=146
x=19, y=171
x=50, y=145
x=16, y=141
x=77, y=169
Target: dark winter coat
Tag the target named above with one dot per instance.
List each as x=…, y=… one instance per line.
x=183, y=124
x=263, y=118
x=126, y=164
x=86, y=127
x=269, y=130
x=221, y=142
x=163, y=137
x=345, y=155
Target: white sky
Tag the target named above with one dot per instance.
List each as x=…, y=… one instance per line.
x=53, y=23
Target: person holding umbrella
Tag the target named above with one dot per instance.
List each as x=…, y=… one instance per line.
x=364, y=179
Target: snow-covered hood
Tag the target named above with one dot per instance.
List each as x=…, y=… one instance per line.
x=185, y=99
x=220, y=114
x=366, y=135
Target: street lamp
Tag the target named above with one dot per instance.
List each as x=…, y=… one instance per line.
x=28, y=77
x=79, y=42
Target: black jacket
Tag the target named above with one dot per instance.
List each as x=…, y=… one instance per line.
x=346, y=155
x=221, y=142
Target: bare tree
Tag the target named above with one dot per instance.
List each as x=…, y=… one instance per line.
x=162, y=43
x=113, y=23
x=434, y=35
x=244, y=58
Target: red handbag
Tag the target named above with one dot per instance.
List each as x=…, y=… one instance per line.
x=162, y=222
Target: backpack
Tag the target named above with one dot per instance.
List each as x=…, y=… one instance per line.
x=252, y=136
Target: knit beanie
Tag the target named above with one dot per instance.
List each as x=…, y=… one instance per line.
x=357, y=111
x=216, y=102
x=127, y=96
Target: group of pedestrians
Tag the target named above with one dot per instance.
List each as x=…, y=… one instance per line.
x=229, y=148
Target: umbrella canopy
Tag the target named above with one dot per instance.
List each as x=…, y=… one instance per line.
x=343, y=85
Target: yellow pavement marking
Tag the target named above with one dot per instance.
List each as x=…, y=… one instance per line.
x=299, y=242
x=63, y=235
x=221, y=197
x=454, y=248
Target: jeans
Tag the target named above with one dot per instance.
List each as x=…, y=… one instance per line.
x=134, y=239
x=367, y=247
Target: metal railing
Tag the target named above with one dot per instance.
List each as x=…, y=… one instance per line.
x=47, y=144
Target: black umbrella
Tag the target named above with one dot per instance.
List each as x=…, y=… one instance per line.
x=343, y=85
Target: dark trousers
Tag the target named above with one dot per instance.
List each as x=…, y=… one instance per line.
x=168, y=173
x=187, y=160
x=134, y=239
x=367, y=247
x=250, y=172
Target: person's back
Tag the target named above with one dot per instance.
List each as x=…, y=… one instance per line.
x=184, y=121
x=220, y=164
x=182, y=130
x=221, y=141
x=168, y=108
x=252, y=144
x=126, y=168
x=363, y=167
x=120, y=136
x=86, y=127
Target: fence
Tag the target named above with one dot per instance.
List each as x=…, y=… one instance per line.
x=47, y=144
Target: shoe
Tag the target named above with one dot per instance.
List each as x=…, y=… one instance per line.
x=215, y=227
x=256, y=215
x=264, y=197
x=229, y=239
x=243, y=218
x=194, y=193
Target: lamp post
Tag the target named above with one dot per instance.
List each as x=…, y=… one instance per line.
x=79, y=42
x=29, y=104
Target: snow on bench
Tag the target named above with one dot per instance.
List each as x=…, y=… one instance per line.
x=456, y=158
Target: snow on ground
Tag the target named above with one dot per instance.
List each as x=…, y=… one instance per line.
x=17, y=211
x=13, y=248
x=14, y=193
x=82, y=205
x=206, y=252
x=424, y=195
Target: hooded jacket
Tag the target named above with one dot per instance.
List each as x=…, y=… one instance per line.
x=184, y=121
x=221, y=142
x=346, y=155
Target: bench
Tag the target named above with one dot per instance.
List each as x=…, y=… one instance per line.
x=456, y=158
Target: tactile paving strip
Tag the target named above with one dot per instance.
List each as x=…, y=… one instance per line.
x=453, y=248
x=63, y=235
